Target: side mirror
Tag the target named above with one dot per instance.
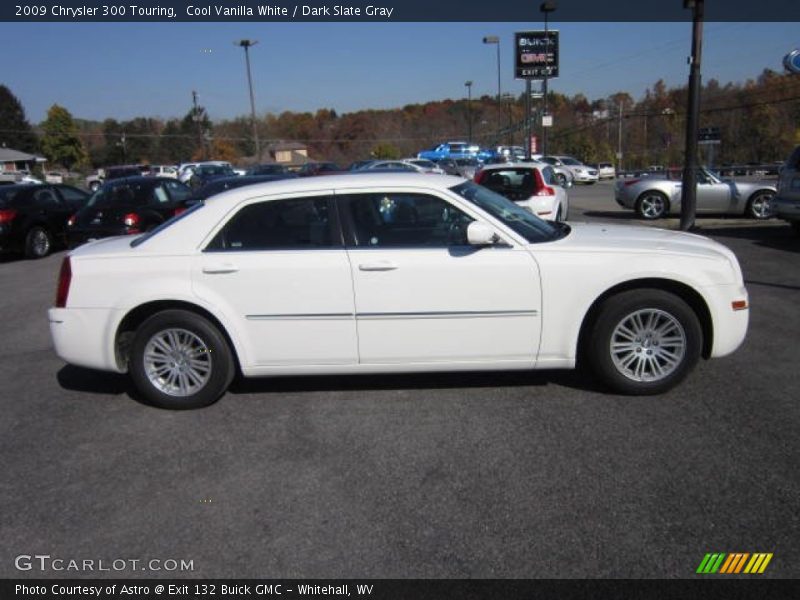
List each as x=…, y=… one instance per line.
x=480, y=234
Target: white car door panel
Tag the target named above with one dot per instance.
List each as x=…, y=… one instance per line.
x=292, y=303
x=421, y=296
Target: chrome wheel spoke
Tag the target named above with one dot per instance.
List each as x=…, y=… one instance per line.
x=648, y=345
x=177, y=362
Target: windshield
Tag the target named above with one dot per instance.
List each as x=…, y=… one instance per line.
x=524, y=222
x=571, y=161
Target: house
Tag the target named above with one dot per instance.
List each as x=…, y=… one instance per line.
x=13, y=160
x=289, y=154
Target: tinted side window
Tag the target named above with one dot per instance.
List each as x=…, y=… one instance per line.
x=45, y=198
x=178, y=191
x=298, y=223
x=405, y=221
x=72, y=195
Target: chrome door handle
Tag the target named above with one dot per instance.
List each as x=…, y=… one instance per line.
x=221, y=268
x=381, y=265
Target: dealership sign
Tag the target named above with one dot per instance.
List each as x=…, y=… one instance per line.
x=536, y=54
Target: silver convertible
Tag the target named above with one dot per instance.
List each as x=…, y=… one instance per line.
x=659, y=195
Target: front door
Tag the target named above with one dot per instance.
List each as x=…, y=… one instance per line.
x=423, y=295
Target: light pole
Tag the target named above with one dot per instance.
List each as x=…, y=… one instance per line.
x=546, y=8
x=689, y=183
x=469, y=111
x=246, y=44
x=493, y=39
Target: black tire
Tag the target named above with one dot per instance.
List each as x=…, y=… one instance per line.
x=654, y=351
x=38, y=242
x=211, y=349
x=758, y=205
x=652, y=205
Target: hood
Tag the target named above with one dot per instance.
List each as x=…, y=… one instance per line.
x=627, y=239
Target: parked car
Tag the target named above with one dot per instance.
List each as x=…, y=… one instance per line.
x=786, y=203
x=658, y=196
x=96, y=179
x=467, y=167
x=311, y=169
x=33, y=218
x=186, y=170
x=126, y=206
x=529, y=185
x=357, y=164
x=448, y=165
x=581, y=173
x=605, y=170
x=455, y=150
x=207, y=172
x=428, y=166
x=223, y=184
x=54, y=177
x=266, y=169
x=389, y=273
x=397, y=165
x=164, y=171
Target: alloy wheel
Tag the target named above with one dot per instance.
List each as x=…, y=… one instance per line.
x=648, y=345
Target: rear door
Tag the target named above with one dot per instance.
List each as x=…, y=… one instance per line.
x=278, y=268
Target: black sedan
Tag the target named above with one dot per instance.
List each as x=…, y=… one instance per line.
x=127, y=206
x=33, y=218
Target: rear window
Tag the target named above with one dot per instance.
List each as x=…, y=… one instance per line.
x=503, y=181
x=137, y=194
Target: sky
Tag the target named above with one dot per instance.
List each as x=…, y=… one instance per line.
x=123, y=70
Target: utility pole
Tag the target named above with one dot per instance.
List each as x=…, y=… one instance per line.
x=468, y=84
x=619, y=136
x=546, y=8
x=493, y=39
x=196, y=119
x=527, y=105
x=246, y=44
x=689, y=184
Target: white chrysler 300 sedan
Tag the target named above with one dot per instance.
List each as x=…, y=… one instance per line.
x=379, y=273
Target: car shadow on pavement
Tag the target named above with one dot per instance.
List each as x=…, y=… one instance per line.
x=78, y=379
x=574, y=379
x=617, y=215
x=777, y=236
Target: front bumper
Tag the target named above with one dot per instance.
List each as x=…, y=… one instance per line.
x=85, y=337
x=786, y=209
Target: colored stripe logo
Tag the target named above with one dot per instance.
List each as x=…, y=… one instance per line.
x=734, y=563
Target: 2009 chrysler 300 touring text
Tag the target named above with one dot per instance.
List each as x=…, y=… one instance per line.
x=391, y=273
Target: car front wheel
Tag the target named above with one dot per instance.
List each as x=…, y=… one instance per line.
x=644, y=342
x=180, y=360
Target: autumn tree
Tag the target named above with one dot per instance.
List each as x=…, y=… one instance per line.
x=61, y=143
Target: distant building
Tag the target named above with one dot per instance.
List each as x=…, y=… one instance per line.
x=289, y=154
x=13, y=160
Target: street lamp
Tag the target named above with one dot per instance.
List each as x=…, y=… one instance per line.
x=469, y=110
x=493, y=39
x=546, y=8
x=246, y=44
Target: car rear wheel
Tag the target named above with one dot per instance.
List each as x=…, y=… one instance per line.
x=652, y=205
x=759, y=206
x=644, y=342
x=180, y=360
x=38, y=242
x=561, y=179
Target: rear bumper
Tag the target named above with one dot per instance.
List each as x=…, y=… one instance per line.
x=85, y=337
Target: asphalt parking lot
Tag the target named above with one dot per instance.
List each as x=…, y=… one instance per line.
x=432, y=476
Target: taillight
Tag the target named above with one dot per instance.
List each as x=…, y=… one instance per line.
x=71, y=220
x=478, y=177
x=64, y=280
x=131, y=220
x=179, y=210
x=541, y=188
x=7, y=215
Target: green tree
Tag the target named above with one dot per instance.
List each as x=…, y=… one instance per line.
x=60, y=141
x=15, y=131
